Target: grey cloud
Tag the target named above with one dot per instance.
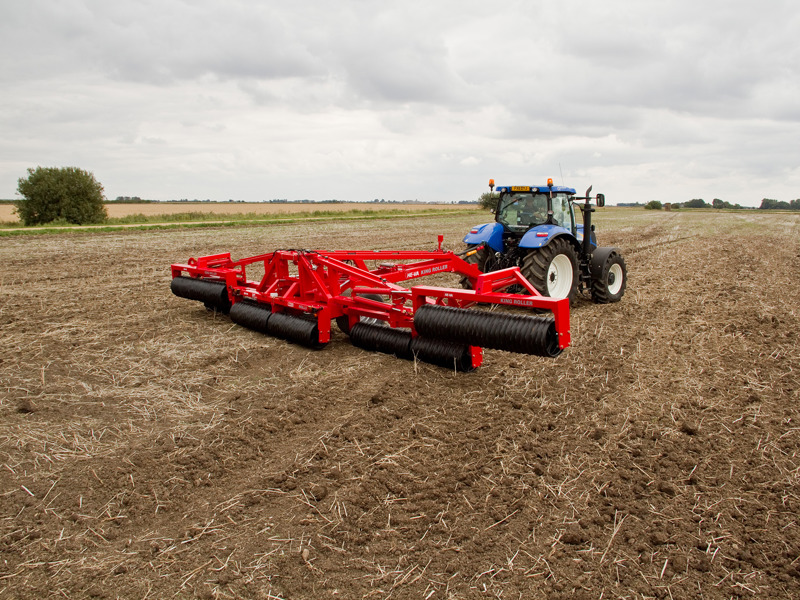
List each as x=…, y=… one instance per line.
x=250, y=95
x=161, y=41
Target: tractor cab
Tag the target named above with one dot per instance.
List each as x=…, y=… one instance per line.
x=520, y=208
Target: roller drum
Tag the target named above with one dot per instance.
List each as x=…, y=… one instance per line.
x=213, y=294
x=450, y=355
x=251, y=315
x=501, y=331
x=295, y=329
x=377, y=338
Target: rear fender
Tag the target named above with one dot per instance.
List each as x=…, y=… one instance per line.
x=599, y=257
x=488, y=233
x=541, y=235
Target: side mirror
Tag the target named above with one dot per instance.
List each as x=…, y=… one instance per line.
x=601, y=200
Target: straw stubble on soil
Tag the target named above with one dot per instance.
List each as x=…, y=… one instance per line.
x=149, y=448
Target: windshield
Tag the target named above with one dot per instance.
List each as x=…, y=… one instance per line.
x=521, y=211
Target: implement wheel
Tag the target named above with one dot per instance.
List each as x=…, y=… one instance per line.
x=343, y=322
x=553, y=269
x=609, y=279
x=483, y=258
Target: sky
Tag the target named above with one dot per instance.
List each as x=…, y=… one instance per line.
x=413, y=100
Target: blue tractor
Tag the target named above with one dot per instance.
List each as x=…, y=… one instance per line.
x=535, y=229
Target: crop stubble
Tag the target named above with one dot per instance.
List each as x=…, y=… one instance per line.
x=149, y=448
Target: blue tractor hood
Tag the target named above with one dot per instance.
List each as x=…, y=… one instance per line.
x=487, y=233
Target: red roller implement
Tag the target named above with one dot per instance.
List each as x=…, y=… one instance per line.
x=312, y=288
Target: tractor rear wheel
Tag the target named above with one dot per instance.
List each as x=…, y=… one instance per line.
x=482, y=258
x=609, y=284
x=553, y=269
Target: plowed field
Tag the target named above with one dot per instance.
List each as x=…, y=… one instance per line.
x=151, y=449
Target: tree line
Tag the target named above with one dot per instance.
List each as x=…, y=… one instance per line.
x=766, y=204
x=769, y=203
x=73, y=196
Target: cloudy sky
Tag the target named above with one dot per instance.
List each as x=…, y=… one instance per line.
x=362, y=99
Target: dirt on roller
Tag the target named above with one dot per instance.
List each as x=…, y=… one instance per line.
x=152, y=449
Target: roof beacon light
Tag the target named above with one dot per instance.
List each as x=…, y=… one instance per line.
x=549, y=182
x=491, y=184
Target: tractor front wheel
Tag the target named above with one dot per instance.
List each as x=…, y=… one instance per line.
x=608, y=283
x=553, y=269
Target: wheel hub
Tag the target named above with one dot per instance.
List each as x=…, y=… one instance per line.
x=615, y=279
x=559, y=277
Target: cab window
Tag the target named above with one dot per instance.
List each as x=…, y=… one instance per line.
x=561, y=211
x=521, y=211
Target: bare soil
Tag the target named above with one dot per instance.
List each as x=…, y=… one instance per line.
x=151, y=449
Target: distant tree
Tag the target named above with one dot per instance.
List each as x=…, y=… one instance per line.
x=653, y=205
x=52, y=193
x=130, y=200
x=695, y=203
x=795, y=204
x=771, y=204
x=488, y=200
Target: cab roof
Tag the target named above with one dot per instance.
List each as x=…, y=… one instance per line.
x=535, y=188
